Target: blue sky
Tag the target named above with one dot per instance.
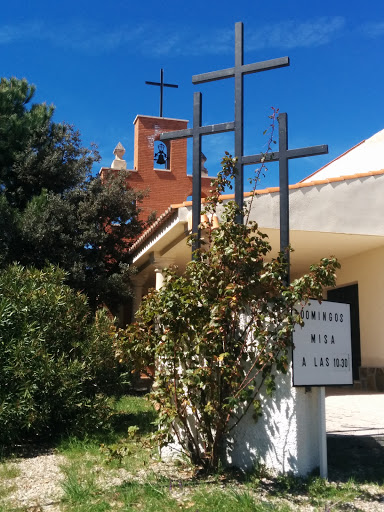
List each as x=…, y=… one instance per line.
x=91, y=59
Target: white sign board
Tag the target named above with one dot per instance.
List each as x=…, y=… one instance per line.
x=322, y=354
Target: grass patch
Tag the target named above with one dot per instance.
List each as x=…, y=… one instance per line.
x=95, y=456
x=9, y=471
x=147, y=497
x=147, y=485
x=233, y=500
x=74, y=448
x=318, y=492
x=79, y=485
x=5, y=490
x=128, y=411
x=164, y=498
x=6, y=508
x=147, y=490
x=133, y=411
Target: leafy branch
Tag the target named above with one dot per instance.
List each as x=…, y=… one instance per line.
x=220, y=332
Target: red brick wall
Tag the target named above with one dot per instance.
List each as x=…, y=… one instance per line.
x=166, y=187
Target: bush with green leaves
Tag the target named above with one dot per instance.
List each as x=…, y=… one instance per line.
x=56, y=358
x=220, y=331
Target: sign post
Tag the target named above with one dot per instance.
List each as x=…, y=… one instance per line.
x=323, y=435
x=322, y=356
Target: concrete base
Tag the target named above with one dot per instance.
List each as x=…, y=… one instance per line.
x=285, y=439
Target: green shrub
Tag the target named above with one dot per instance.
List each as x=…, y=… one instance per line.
x=55, y=358
x=220, y=331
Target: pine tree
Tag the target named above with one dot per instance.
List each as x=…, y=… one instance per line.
x=52, y=210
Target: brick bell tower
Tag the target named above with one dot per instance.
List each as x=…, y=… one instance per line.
x=159, y=167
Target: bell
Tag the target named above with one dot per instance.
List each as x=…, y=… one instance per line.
x=160, y=156
x=160, y=159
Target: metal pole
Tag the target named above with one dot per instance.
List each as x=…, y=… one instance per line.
x=239, y=114
x=323, y=435
x=196, y=171
x=161, y=91
x=284, y=189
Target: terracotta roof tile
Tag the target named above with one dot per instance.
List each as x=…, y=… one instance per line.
x=160, y=220
x=147, y=232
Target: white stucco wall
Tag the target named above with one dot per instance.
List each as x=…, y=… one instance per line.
x=365, y=157
x=286, y=437
x=367, y=270
x=351, y=206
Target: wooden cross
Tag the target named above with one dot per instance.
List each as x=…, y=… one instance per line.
x=283, y=156
x=161, y=84
x=196, y=132
x=238, y=73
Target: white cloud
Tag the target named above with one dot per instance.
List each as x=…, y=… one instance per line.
x=214, y=42
x=84, y=37
x=373, y=29
x=24, y=31
x=151, y=39
x=91, y=38
x=291, y=34
x=284, y=35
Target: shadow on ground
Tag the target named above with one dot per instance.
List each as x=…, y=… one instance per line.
x=143, y=420
x=357, y=457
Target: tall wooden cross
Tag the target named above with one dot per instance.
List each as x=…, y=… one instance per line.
x=238, y=73
x=161, y=84
x=283, y=156
x=196, y=132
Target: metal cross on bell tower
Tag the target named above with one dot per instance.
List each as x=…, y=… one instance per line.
x=161, y=84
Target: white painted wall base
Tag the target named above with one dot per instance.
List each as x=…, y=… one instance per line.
x=285, y=438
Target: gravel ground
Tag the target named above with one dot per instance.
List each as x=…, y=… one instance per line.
x=38, y=484
x=354, y=422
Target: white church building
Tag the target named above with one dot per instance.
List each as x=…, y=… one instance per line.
x=336, y=211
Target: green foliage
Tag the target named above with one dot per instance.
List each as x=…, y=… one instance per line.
x=35, y=152
x=77, y=488
x=221, y=331
x=87, y=232
x=55, y=359
x=318, y=490
x=52, y=210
